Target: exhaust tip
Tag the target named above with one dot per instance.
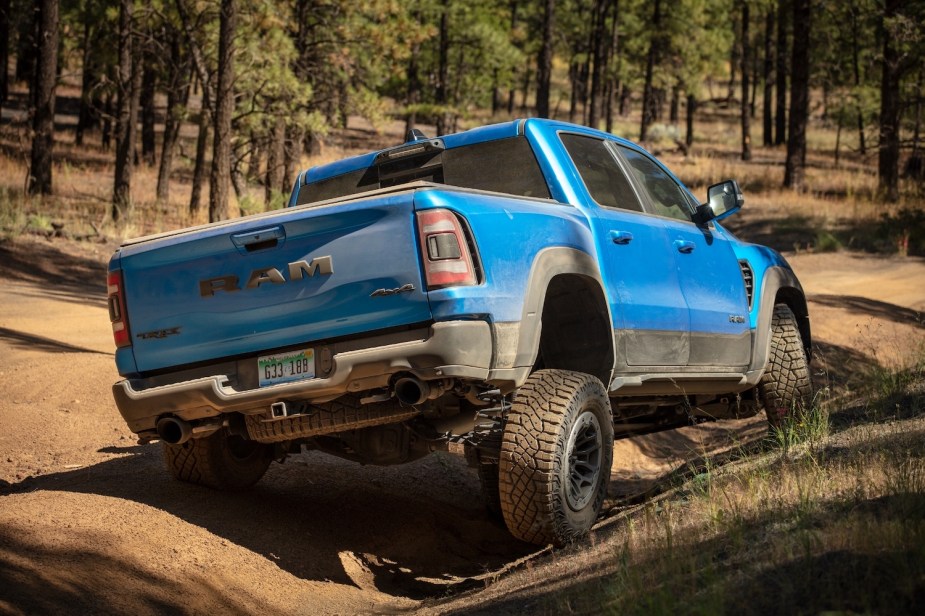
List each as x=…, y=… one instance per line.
x=412, y=391
x=173, y=430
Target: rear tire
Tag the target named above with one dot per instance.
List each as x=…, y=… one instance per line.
x=556, y=455
x=786, y=389
x=220, y=461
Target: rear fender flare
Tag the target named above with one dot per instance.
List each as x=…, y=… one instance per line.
x=549, y=263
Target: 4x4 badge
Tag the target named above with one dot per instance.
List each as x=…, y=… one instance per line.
x=736, y=318
x=408, y=288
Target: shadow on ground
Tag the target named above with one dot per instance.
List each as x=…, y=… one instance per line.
x=34, y=342
x=63, y=275
x=414, y=531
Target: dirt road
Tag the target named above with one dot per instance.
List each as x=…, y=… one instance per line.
x=90, y=521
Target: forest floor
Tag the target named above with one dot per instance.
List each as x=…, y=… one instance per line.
x=91, y=522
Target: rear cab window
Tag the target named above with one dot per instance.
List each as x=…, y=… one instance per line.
x=501, y=165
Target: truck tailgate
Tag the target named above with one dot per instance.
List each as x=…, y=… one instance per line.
x=274, y=280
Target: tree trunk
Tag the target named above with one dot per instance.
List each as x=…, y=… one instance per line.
x=573, y=91
x=675, y=103
x=199, y=167
x=735, y=62
x=256, y=158
x=795, y=166
x=585, y=83
x=780, y=118
x=528, y=76
x=87, y=113
x=767, y=137
x=43, y=122
x=752, y=105
x=745, y=112
x=106, y=132
x=443, y=48
x=691, y=108
x=598, y=53
x=856, y=62
x=148, y=88
x=510, y=93
x=613, y=82
x=178, y=88
x=220, y=178
x=890, y=109
x=838, y=139
x=544, y=61
x=648, y=99
x=275, y=155
x=125, y=121
x=5, y=16
x=292, y=160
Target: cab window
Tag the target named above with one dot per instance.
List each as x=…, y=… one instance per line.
x=602, y=175
x=667, y=197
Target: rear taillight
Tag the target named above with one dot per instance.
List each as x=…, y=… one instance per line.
x=117, y=316
x=444, y=250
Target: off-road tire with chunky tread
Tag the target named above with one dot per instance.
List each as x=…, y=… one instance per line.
x=535, y=465
x=344, y=413
x=220, y=461
x=786, y=387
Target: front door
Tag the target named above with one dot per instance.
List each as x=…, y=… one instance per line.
x=709, y=273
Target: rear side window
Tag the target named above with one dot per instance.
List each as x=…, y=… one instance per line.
x=603, y=177
x=668, y=199
x=503, y=165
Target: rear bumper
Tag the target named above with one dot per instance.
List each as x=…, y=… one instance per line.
x=453, y=349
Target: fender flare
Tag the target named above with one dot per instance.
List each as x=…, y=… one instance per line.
x=779, y=285
x=548, y=263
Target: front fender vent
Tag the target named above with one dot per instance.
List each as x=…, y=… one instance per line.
x=748, y=277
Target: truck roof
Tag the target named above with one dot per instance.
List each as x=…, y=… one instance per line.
x=475, y=135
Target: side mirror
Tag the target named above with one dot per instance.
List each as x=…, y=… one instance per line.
x=723, y=199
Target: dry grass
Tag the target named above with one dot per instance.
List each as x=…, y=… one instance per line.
x=827, y=516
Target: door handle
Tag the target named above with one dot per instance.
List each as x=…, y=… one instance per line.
x=621, y=237
x=684, y=246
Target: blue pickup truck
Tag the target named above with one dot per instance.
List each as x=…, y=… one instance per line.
x=519, y=293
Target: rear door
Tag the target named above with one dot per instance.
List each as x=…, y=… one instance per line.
x=638, y=266
x=266, y=282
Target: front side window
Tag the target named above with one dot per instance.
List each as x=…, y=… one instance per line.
x=602, y=175
x=667, y=197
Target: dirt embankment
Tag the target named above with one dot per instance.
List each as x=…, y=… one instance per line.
x=90, y=521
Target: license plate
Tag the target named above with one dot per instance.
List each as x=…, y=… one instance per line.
x=286, y=367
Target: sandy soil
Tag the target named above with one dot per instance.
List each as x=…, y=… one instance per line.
x=89, y=521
